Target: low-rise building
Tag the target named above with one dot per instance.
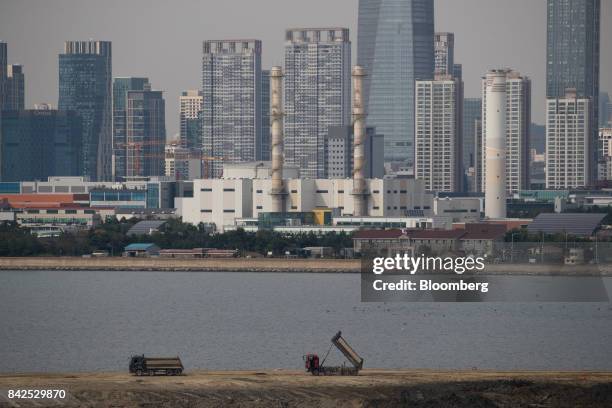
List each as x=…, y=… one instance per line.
x=53, y=221
x=141, y=250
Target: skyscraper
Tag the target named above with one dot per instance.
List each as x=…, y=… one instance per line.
x=37, y=144
x=15, y=88
x=191, y=119
x=121, y=86
x=266, y=136
x=317, y=94
x=85, y=87
x=146, y=134
x=472, y=114
x=568, y=131
x=395, y=48
x=438, y=142
x=231, y=91
x=3, y=65
x=518, y=122
x=605, y=110
x=444, y=53
x=572, y=58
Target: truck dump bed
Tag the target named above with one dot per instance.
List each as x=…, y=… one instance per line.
x=163, y=362
x=348, y=351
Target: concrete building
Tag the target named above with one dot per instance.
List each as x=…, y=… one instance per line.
x=36, y=144
x=444, y=54
x=494, y=141
x=568, y=147
x=572, y=59
x=396, y=47
x=605, y=110
x=183, y=163
x=191, y=119
x=145, y=134
x=438, y=134
x=3, y=75
x=317, y=94
x=121, y=86
x=85, y=87
x=231, y=92
x=518, y=122
x=51, y=222
x=458, y=209
x=15, y=88
x=266, y=137
x=222, y=201
x=257, y=170
x=605, y=154
x=340, y=153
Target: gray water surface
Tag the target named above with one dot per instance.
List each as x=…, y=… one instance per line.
x=57, y=321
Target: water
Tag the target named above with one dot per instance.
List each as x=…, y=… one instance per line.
x=57, y=321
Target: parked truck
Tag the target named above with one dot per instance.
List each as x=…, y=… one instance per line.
x=141, y=365
x=316, y=367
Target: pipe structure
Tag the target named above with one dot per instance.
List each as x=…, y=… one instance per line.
x=360, y=199
x=495, y=171
x=276, y=116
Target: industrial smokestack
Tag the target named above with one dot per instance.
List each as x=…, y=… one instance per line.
x=276, y=113
x=495, y=171
x=360, y=202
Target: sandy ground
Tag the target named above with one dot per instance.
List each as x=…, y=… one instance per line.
x=372, y=388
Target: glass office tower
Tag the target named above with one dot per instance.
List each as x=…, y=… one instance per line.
x=396, y=47
x=85, y=87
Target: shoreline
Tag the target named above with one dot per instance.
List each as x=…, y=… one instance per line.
x=279, y=265
x=372, y=387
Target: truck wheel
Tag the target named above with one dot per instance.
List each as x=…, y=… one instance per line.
x=138, y=373
x=315, y=372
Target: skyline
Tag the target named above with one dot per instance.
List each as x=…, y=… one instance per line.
x=153, y=52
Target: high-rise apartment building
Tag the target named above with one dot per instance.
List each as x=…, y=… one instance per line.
x=472, y=114
x=266, y=135
x=396, y=47
x=37, y=144
x=85, y=87
x=605, y=153
x=568, y=132
x=438, y=134
x=340, y=157
x=231, y=113
x=3, y=66
x=444, y=54
x=121, y=86
x=191, y=119
x=317, y=94
x=572, y=58
x=518, y=122
x=146, y=134
x=183, y=163
x=605, y=110
x=14, y=88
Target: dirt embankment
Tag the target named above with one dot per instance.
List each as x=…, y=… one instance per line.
x=372, y=388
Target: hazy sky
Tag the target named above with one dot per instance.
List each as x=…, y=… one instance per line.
x=162, y=39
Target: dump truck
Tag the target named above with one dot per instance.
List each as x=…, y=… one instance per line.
x=316, y=367
x=141, y=365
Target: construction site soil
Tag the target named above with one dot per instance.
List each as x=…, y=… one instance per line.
x=277, y=388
